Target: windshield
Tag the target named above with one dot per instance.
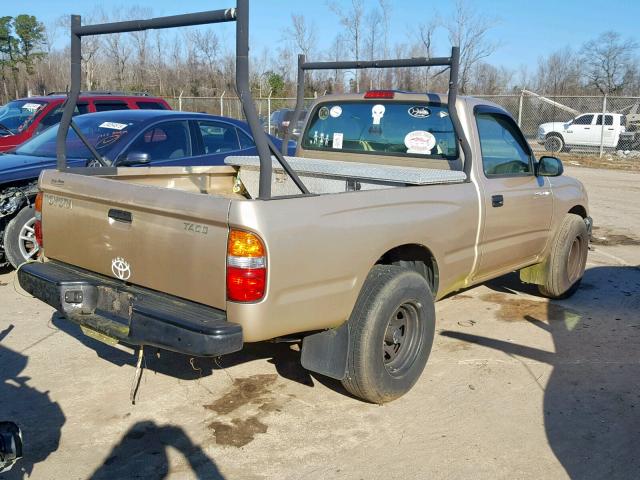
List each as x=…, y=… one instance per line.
x=17, y=115
x=104, y=132
x=394, y=128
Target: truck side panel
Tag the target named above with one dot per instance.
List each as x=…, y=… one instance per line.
x=321, y=248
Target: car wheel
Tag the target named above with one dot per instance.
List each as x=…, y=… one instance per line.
x=391, y=333
x=567, y=259
x=554, y=143
x=19, y=238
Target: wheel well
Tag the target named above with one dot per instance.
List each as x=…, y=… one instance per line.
x=579, y=210
x=417, y=257
x=554, y=134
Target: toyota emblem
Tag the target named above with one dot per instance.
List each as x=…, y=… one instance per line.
x=121, y=268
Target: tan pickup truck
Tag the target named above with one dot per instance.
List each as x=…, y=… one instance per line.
x=392, y=201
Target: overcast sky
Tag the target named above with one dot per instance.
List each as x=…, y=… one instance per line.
x=525, y=30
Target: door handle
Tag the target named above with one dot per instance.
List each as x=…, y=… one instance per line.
x=120, y=215
x=610, y=129
x=542, y=193
x=497, y=200
x=587, y=128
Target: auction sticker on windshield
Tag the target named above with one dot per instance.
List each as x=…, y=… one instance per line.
x=32, y=107
x=420, y=142
x=335, y=111
x=113, y=125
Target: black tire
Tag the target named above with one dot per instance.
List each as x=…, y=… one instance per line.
x=12, y=241
x=391, y=333
x=554, y=143
x=567, y=259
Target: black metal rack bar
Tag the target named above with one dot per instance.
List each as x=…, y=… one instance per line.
x=452, y=62
x=240, y=15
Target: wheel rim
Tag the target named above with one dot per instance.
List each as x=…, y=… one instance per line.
x=574, y=261
x=553, y=144
x=27, y=240
x=400, y=345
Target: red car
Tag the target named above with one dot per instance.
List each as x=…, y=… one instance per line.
x=22, y=119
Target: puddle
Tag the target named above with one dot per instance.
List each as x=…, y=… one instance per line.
x=517, y=309
x=239, y=433
x=256, y=394
x=245, y=391
x=604, y=237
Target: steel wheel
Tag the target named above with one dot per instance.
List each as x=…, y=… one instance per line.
x=553, y=144
x=27, y=240
x=401, y=338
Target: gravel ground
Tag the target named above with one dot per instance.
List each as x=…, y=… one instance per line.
x=516, y=387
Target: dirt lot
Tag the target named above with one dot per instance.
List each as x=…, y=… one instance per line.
x=516, y=387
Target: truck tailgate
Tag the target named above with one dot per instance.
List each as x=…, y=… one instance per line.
x=160, y=238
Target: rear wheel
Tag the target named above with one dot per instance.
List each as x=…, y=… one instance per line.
x=19, y=238
x=391, y=334
x=567, y=259
x=554, y=143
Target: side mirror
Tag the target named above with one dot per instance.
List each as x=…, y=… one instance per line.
x=135, y=158
x=550, y=167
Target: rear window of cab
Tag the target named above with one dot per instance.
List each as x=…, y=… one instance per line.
x=422, y=130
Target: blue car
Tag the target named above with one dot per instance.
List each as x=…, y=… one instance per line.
x=124, y=138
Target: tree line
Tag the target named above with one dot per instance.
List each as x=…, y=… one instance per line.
x=198, y=62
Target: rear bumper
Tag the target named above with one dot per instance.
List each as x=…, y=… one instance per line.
x=129, y=314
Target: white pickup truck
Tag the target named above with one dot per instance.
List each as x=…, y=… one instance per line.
x=586, y=130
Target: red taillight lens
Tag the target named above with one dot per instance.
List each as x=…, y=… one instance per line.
x=245, y=284
x=379, y=94
x=246, y=267
x=37, y=227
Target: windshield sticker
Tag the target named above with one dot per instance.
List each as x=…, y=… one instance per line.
x=323, y=113
x=337, y=140
x=113, y=125
x=32, y=107
x=419, y=112
x=443, y=114
x=420, y=142
x=335, y=111
x=377, y=112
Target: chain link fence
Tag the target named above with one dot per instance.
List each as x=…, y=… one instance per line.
x=576, y=120
x=232, y=107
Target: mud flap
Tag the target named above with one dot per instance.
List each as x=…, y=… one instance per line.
x=326, y=352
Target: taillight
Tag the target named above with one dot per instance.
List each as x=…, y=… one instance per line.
x=379, y=94
x=246, y=267
x=37, y=227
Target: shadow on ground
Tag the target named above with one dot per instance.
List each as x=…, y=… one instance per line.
x=285, y=357
x=142, y=453
x=39, y=417
x=592, y=398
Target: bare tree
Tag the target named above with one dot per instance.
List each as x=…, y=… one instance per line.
x=302, y=34
x=426, y=35
x=558, y=73
x=468, y=30
x=140, y=45
x=352, y=19
x=607, y=59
